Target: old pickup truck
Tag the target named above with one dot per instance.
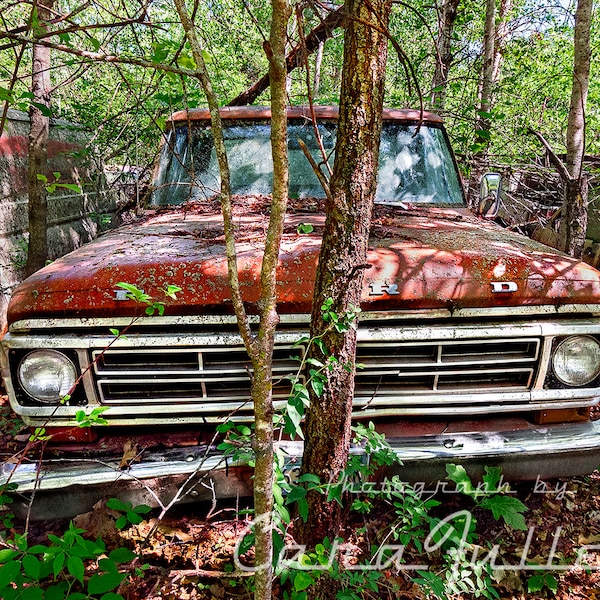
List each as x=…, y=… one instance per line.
x=478, y=346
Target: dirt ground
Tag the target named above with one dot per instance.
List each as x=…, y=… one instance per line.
x=189, y=554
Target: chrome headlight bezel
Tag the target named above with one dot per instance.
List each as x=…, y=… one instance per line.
x=46, y=376
x=576, y=360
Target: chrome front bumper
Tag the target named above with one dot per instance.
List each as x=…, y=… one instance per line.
x=201, y=473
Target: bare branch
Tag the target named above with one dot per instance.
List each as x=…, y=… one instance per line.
x=100, y=56
x=315, y=167
x=560, y=166
x=321, y=32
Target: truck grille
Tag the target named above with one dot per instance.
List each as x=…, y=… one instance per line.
x=392, y=378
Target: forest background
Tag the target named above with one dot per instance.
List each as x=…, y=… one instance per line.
x=122, y=68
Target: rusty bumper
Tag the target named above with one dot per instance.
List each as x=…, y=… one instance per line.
x=201, y=473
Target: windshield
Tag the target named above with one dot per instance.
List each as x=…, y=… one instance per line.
x=415, y=163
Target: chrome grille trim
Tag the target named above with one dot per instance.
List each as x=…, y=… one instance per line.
x=216, y=378
x=394, y=375
x=525, y=392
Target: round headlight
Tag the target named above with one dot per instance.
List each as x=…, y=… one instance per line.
x=576, y=360
x=47, y=375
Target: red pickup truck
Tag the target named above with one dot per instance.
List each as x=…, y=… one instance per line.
x=478, y=346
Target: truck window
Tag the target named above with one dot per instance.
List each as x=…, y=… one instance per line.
x=415, y=164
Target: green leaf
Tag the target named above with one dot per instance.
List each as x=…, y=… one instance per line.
x=122, y=555
x=186, y=62
x=277, y=494
x=76, y=567
x=45, y=110
x=133, y=517
x=31, y=566
x=57, y=592
x=293, y=420
x=492, y=478
x=9, y=573
x=121, y=522
x=535, y=583
x=107, y=565
x=117, y=504
x=144, y=509
x=314, y=362
x=304, y=228
x=6, y=94
x=458, y=474
x=7, y=554
x=99, y=584
x=510, y=509
x=317, y=385
x=551, y=582
x=71, y=186
x=303, y=580
x=309, y=478
x=320, y=344
x=58, y=563
x=32, y=593
x=160, y=53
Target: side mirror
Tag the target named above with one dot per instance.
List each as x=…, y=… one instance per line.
x=489, y=195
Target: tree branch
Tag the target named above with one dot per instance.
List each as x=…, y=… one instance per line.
x=560, y=166
x=99, y=56
x=320, y=33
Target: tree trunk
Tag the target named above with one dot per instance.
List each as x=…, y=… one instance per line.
x=318, y=63
x=500, y=34
x=573, y=223
x=260, y=346
x=343, y=256
x=39, y=132
x=495, y=31
x=487, y=76
x=262, y=358
x=446, y=18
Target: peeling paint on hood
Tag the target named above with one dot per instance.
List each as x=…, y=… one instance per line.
x=419, y=259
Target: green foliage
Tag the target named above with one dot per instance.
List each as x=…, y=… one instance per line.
x=415, y=527
x=237, y=441
x=153, y=306
x=299, y=398
x=51, y=187
x=91, y=418
x=132, y=515
x=59, y=570
x=39, y=435
x=538, y=582
x=490, y=495
x=6, y=517
x=304, y=228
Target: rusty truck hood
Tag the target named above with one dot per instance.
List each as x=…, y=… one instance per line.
x=419, y=259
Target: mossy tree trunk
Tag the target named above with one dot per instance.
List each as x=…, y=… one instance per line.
x=343, y=256
x=573, y=222
x=39, y=133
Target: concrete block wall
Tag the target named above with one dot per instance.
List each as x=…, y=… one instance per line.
x=73, y=218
